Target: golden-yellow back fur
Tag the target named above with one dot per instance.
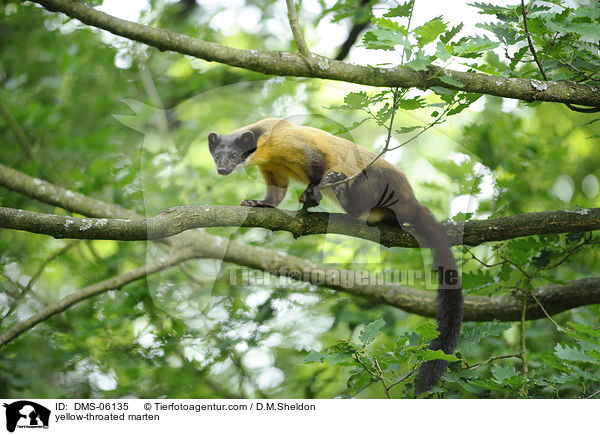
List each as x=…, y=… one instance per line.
x=285, y=148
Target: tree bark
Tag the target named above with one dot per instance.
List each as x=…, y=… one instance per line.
x=176, y=220
x=287, y=64
x=555, y=298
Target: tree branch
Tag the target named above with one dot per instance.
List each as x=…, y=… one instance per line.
x=555, y=298
x=540, y=64
x=25, y=290
x=302, y=224
x=287, y=64
x=59, y=196
x=530, y=41
x=176, y=220
x=114, y=283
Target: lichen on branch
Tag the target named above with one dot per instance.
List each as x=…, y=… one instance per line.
x=176, y=220
x=288, y=64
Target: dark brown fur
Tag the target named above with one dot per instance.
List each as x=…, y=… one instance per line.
x=381, y=194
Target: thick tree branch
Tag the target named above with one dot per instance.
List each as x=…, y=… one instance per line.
x=175, y=220
x=554, y=298
x=300, y=224
x=286, y=64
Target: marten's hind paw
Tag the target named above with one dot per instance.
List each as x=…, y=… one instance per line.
x=255, y=203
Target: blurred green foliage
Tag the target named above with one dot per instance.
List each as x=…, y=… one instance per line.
x=127, y=124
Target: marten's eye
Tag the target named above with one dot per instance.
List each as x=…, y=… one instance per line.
x=218, y=155
x=234, y=156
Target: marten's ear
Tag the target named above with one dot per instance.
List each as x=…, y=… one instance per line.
x=213, y=141
x=248, y=140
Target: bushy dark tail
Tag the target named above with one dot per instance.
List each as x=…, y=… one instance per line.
x=450, y=299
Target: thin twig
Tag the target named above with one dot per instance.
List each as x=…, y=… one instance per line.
x=395, y=100
x=530, y=41
x=569, y=65
x=244, y=376
x=47, y=261
x=435, y=122
x=549, y=47
x=17, y=131
x=509, y=57
x=519, y=268
x=114, y=283
x=541, y=68
x=583, y=109
x=374, y=374
x=403, y=378
x=491, y=359
x=558, y=263
x=544, y=310
x=585, y=78
x=379, y=375
x=524, y=345
x=15, y=284
x=562, y=260
x=35, y=277
x=384, y=383
x=192, y=276
x=592, y=395
x=483, y=263
x=297, y=32
x=407, y=30
x=360, y=361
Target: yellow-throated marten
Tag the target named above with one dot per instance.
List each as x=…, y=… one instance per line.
x=381, y=194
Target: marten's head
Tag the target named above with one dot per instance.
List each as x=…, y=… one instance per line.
x=231, y=150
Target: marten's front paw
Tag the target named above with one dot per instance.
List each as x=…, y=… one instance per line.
x=255, y=203
x=334, y=177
